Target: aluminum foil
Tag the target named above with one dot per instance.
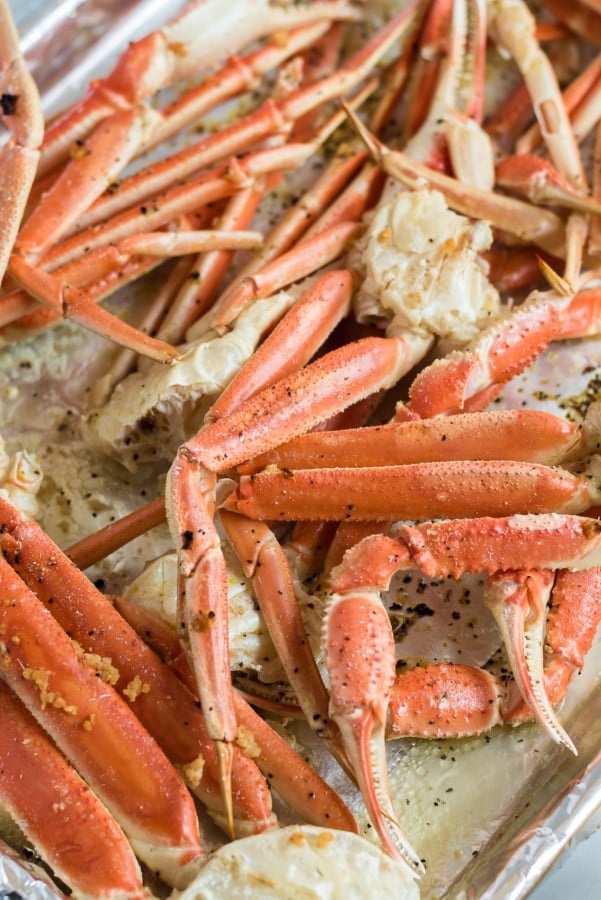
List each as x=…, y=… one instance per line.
x=66, y=44
x=21, y=880
x=562, y=812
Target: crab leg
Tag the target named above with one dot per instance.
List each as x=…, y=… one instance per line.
x=576, y=97
x=444, y=700
x=272, y=117
x=165, y=708
x=73, y=303
x=451, y=700
x=240, y=73
x=207, y=30
x=456, y=547
x=426, y=65
x=502, y=351
x=21, y=113
x=207, y=271
x=463, y=377
x=529, y=223
x=100, y=273
x=513, y=27
x=40, y=232
x=95, y=547
x=87, y=175
x=358, y=639
x=539, y=181
x=525, y=434
x=181, y=200
x=358, y=645
x=518, y=600
x=321, y=244
x=572, y=622
x=462, y=488
x=497, y=355
x=91, y=724
x=292, y=225
x=166, y=244
x=63, y=819
x=292, y=343
x=296, y=403
x=263, y=561
x=451, y=129
x=304, y=259
x=295, y=781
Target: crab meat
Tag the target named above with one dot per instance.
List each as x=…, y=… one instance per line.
x=419, y=255
x=20, y=480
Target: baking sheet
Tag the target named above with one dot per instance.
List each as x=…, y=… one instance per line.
x=542, y=796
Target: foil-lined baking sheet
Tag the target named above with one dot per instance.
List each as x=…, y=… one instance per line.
x=543, y=797
x=22, y=881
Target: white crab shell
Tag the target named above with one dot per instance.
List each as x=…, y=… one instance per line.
x=303, y=862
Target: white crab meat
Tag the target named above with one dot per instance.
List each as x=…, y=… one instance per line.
x=423, y=269
x=302, y=861
x=251, y=649
x=152, y=412
x=20, y=480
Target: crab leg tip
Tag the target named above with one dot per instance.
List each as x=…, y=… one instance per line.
x=225, y=758
x=555, y=281
x=373, y=145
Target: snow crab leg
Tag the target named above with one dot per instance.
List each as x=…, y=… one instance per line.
x=531, y=224
x=359, y=703
x=21, y=112
x=82, y=176
x=413, y=491
x=272, y=118
x=288, y=774
x=83, y=715
x=161, y=703
x=454, y=700
x=70, y=828
x=207, y=31
x=350, y=373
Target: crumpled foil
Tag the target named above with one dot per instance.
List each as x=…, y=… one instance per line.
x=19, y=880
x=66, y=44
x=69, y=42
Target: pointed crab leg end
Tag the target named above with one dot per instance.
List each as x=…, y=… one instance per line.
x=364, y=741
x=518, y=601
x=375, y=147
x=225, y=759
x=359, y=656
x=554, y=280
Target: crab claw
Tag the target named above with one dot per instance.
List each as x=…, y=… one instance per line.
x=359, y=656
x=518, y=600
